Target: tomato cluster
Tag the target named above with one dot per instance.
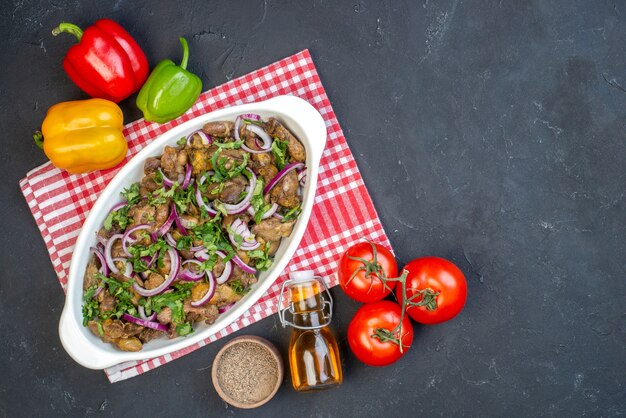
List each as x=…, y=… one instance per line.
x=430, y=290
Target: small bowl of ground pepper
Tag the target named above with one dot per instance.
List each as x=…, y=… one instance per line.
x=247, y=371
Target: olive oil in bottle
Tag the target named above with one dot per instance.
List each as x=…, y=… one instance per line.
x=313, y=353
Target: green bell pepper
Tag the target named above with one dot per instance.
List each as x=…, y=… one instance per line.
x=170, y=90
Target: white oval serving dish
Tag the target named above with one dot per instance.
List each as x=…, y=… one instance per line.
x=87, y=349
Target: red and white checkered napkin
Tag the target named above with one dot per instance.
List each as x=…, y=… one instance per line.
x=343, y=211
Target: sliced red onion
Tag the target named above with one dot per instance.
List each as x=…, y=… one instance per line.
x=167, y=224
x=127, y=240
x=265, y=145
x=239, y=228
x=174, y=269
x=202, y=255
x=144, y=323
x=228, y=269
x=267, y=213
x=200, y=200
x=189, y=275
x=170, y=240
x=107, y=252
x=179, y=224
x=209, y=294
x=167, y=182
x=206, y=138
x=118, y=206
x=187, y=178
x=243, y=265
x=97, y=292
x=233, y=209
x=278, y=216
x=302, y=177
x=251, y=116
x=104, y=269
x=281, y=174
x=128, y=266
x=142, y=314
x=267, y=140
x=226, y=308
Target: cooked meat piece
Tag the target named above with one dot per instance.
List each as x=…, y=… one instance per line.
x=169, y=161
x=207, y=313
x=142, y=213
x=229, y=219
x=199, y=290
x=261, y=160
x=200, y=159
x=130, y=329
x=244, y=278
x=121, y=278
x=189, y=221
x=272, y=229
x=154, y=280
x=187, y=255
x=107, y=302
x=244, y=256
x=164, y=269
x=285, y=192
x=221, y=128
x=117, y=250
x=218, y=268
x=104, y=234
x=165, y=316
x=147, y=185
x=228, y=158
x=263, y=165
x=295, y=147
x=267, y=173
x=113, y=329
x=196, y=142
x=273, y=245
x=93, y=327
x=162, y=212
x=181, y=161
x=91, y=273
x=247, y=279
x=151, y=165
x=148, y=334
x=224, y=295
x=212, y=191
x=129, y=344
x=233, y=188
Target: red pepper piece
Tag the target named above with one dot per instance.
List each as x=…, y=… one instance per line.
x=107, y=62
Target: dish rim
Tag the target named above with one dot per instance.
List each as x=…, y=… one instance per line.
x=88, y=350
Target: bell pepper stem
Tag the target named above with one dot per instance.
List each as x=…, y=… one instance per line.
x=183, y=63
x=38, y=137
x=68, y=28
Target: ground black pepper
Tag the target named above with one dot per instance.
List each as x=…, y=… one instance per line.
x=247, y=372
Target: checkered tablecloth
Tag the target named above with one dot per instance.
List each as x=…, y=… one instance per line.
x=343, y=211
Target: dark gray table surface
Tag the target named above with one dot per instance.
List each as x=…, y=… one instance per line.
x=489, y=133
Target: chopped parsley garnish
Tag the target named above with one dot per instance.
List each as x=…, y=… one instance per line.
x=131, y=194
x=182, y=141
x=262, y=258
x=292, y=214
x=279, y=149
x=238, y=288
x=258, y=201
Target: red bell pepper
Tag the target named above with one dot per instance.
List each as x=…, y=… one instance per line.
x=107, y=62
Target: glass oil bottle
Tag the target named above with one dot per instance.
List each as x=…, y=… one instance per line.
x=313, y=353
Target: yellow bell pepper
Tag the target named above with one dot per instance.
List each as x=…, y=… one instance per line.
x=84, y=135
